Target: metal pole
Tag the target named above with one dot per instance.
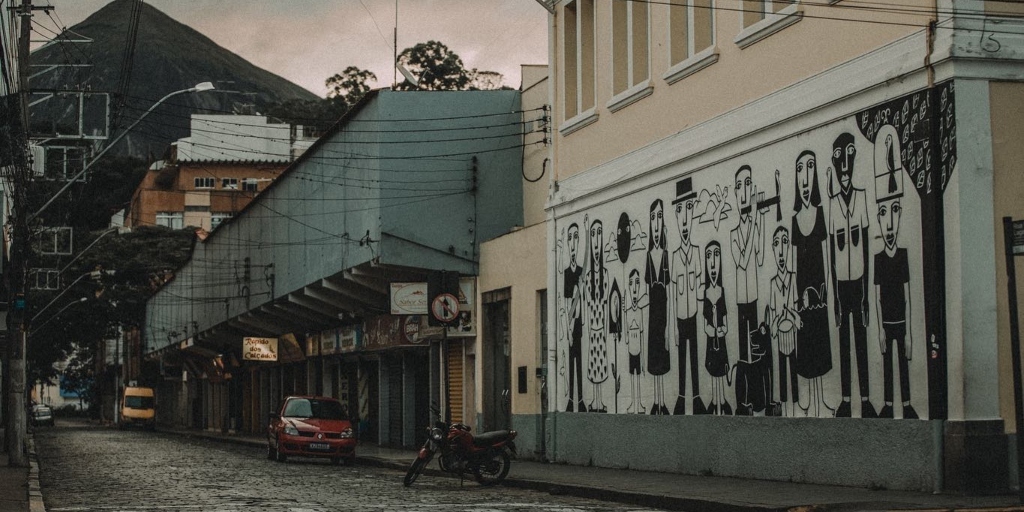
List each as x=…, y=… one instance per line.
x=1018, y=399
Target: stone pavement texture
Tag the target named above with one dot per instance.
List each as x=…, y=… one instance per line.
x=19, y=487
x=685, y=492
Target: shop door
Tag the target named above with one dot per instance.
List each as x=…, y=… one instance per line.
x=421, y=376
x=497, y=371
x=455, y=382
x=369, y=401
x=395, y=401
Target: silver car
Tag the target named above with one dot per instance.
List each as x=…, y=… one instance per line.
x=42, y=414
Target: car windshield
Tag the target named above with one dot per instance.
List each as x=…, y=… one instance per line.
x=312, y=408
x=138, y=402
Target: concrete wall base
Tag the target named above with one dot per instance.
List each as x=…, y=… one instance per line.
x=976, y=459
x=528, y=441
x=883, y=454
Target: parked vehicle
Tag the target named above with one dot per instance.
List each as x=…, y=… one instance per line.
x=487, y=456
x=310, y=426
x=42, y=414
x=138, y=407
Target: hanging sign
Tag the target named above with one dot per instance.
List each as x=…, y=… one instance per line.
x=259, y=349
x=1017, y=237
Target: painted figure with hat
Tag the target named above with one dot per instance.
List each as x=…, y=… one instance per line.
x=892, y=273
x=686, y=281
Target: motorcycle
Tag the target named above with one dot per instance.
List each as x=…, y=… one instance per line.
x=487, y=456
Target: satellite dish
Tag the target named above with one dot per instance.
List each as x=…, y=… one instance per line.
x=408, y=75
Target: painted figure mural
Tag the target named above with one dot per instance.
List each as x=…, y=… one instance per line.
x=572, y=292
x=892, y=274
x=848, y=232
x=716, y=358
x=686, y=282
x=767, y=337
x=809, y=238
x=657, y=278
x=597, y=284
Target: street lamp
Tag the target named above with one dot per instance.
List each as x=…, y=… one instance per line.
x=204, y=86
x=55, y=315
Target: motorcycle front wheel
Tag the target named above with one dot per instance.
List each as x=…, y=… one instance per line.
x=494, y=469
x=415, y=469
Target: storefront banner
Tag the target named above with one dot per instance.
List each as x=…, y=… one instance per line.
x=390, y=331
x=408, y=298
x=259, y=349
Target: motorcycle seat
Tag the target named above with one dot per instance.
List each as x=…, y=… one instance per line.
x=489, y=438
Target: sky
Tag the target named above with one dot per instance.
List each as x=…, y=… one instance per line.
x=307, y=41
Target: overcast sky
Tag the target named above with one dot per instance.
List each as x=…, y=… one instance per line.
x=307, y=41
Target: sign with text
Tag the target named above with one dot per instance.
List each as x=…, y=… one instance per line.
x=388, y=331
x=1018, y=237
x=259, y=349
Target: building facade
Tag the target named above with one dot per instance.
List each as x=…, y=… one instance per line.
x=403, y=187
x=775, y=239
x=211, y=175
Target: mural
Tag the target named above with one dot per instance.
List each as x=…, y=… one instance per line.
x=848, y=294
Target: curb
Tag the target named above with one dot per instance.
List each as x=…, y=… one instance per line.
x=35, y=494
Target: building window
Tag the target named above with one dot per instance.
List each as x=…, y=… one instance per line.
x=229, y=183
x=630, y=44
x=762, y=18
x=250, y=185
x=693, y=29
x=173, y=220
x=204, y=182
x=691, y=38
x=578, y=53
x=217, y=217
x=54, y=241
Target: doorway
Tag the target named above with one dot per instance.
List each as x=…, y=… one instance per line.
x=497, y=346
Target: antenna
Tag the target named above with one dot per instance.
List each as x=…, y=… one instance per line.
x=394, y=82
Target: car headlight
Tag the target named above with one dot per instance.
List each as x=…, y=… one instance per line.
x=436, y=434
x=347, y=433
x=291, y=430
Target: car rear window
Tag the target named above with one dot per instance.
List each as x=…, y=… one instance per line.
x=312, y=408
x=138, y=402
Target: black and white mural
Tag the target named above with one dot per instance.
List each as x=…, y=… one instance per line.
x=800, y=279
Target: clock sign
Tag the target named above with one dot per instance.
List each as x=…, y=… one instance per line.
x=445, y=308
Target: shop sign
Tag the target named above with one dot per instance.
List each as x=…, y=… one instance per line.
x=259, y=349
x=350, y=338
x=1018, y=237
x=411, y=299
x=389, y=331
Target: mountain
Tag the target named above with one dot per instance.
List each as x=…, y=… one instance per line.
x=169, y=56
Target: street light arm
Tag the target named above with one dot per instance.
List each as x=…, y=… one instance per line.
x=205, y=86
x=59, y=295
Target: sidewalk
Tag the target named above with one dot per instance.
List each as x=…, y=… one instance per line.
x=19, y=487
x=681, y=492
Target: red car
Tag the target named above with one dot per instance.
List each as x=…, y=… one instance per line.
x=311, y=426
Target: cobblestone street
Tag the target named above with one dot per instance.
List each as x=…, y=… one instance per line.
x=86, y=467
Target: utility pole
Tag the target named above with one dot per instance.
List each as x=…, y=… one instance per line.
x=17, y=418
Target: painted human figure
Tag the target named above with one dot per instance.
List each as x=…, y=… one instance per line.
x=634, y=327
x=716, y=357
x=656, y=275
x=572, y=293
x=892, y=283
x=809, y=238
x=784, y=320
x=848, y=232
x=596, y=285
x=686, y=284
x=747, y=242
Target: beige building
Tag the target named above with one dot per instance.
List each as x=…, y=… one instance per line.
x=778, y=225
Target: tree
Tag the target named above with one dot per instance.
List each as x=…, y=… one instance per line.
x=485, y=80
x=350, y=85
x=436, y=67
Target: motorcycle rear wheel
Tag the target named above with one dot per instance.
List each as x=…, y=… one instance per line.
x=493, y=470
x=414, y=470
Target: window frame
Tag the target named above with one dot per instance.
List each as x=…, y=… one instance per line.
x=218, y=218
x=250, y=185
x=773, y=22
x=695, y=60
x=171, y=216
x=633, y=92
x=200, y=182
x=581, y=117
x=229, y=183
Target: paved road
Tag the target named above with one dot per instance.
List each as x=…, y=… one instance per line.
x=90, y=468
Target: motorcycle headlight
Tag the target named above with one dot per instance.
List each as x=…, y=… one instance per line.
x=347, y=433
x=436, y=434
x=291, y=430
